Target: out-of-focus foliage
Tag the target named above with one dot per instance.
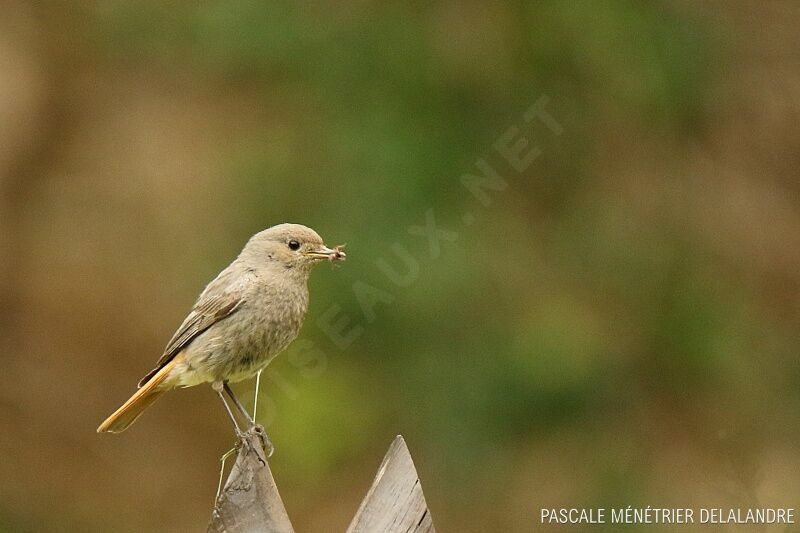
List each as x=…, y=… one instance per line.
x=618, y=327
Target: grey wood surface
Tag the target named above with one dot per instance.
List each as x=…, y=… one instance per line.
x=395, y=502
x=250, y=502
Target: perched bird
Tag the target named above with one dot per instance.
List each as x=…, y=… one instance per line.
x=241, y=321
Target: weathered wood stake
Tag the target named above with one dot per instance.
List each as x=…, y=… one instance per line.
x=395, y=502
x=250, y=501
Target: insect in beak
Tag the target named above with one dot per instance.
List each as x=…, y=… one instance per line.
x=331, y=254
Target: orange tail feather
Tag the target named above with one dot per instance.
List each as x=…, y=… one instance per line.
x=136, y=404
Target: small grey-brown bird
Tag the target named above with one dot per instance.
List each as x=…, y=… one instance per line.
x=241, y=321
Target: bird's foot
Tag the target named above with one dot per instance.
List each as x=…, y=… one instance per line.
x=258, y=430
x=256, y=438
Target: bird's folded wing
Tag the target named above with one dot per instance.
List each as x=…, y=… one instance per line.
x=208, y=310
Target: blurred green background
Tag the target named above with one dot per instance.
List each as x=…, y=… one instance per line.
x=619, y=327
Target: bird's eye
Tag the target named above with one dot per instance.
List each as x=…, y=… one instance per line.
x=294, y=245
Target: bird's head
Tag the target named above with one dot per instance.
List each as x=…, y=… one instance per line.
x=291, y=246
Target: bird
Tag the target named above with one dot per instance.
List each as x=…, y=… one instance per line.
x=245, y=317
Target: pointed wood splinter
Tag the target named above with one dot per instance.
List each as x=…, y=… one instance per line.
x=250, y=501
x=395, y=502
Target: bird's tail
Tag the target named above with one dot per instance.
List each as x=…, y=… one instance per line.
x=136, y=404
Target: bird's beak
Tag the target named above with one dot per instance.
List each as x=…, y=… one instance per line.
x=323, y=252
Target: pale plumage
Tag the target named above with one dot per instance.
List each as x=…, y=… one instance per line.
x=247, y=315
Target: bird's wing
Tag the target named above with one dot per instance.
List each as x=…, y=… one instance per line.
x=208, y=310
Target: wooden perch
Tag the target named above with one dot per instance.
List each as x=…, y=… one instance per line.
x=395, y=502
x=250, y=502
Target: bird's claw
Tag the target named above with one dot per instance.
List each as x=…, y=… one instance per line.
x=258, y=430
x=264, y=449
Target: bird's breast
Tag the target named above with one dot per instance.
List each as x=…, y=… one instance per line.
x=236, y=347
x=273, y=318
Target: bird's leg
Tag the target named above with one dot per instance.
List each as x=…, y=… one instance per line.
x=238, y=404
x=255, y=428
x=218, y=387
